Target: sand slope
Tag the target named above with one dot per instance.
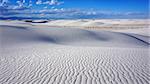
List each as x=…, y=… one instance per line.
x=47, y=55
x=18, y=35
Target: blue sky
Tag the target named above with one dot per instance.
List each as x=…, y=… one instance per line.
x=74, y=9
x=114, y=5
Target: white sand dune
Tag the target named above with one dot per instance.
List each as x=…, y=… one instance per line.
x=14, y=35
x=99, y=23
x=47, y=55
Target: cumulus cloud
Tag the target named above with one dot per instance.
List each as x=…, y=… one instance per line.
x=49, y=2
x=4, y=2
x=30, y=3
x=20, y=3
x=39, y=2
x=53, y=2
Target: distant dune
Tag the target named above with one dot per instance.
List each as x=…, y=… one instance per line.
x=100, y=23
x=69, y=52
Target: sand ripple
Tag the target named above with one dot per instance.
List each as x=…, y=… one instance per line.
x=74, y=65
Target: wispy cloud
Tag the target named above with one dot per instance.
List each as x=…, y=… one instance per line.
x=70, y=14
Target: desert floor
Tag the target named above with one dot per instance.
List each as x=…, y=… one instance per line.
x=74, y=52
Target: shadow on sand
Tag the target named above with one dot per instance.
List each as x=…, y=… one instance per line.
x=16, y=27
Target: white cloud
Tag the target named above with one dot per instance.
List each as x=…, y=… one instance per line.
x=19, y=3
x=30, y=3
x=24, y=1
x=4, y=2
x=49, y=2
x=55, y=2
x=39, y=2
